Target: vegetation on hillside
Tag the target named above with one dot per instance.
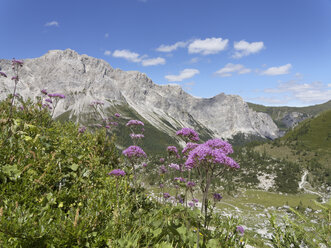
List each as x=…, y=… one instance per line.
x=277, y=113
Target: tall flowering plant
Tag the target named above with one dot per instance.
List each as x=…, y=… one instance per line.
x=205, y=159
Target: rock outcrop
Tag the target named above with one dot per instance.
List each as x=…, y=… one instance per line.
x=84, y=79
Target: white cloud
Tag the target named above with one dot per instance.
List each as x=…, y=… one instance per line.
x=153, y=61
x=135, y=57
x=230, y=68
x=53, y=23
x=244, y=48
x=273, y=71
x=128, y=55
x=329, y=85
x=170, y=48
x=107, y=53
x=315, y=92
x=184, y=74
x=106, y=35
x=208, y=46
x=194, y=60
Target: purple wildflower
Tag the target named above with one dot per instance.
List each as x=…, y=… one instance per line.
x=166, y=195
x=180, y=199
x=134, y=151
x=49, y=100
x=117, y=115
x=134, y=123
x=17, y=62
x=117, y=172
x=136, y=136
x=163, y=169
x=81, y=129
x=14, y=78
x=44, y=91
x=180, y=179
x=188, y=133
x=191, y=204
x=195, y=200
x=57, y=95
x=3, y=74
x=189, y=147
x=161, y=185
x=190, y=184
x=107, y=126
x=217, y=197
x=205, y=153
x=241, y=230
x=113, y=123
x=144, y=165
x=161, y=160
x=174, y=166
x=220, y=144
x=172, y=149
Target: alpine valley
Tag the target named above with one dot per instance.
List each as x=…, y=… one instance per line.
x=284, y=152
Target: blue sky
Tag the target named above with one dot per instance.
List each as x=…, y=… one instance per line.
x=271, y=52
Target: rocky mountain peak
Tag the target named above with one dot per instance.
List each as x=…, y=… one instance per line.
x=168, y=107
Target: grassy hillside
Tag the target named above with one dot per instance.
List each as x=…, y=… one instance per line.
x=308, y=144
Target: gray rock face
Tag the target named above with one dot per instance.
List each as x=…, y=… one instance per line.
x=84, y=79
x=292, y=119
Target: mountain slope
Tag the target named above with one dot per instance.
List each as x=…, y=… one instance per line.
x=288, y=117
x=308, y=144
x=166, y=107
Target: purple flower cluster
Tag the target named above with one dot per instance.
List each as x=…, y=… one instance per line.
x=190, y=184
x=220, y=144
x=134, y=123
x=211, y=153
x=241, y=230
x=17, y=62
x=14, y=78
x=163, y=169
x=3, y=74
x=189, y=147
x=136, y=136
x=117, y=173
x=113, y=123
x=188, y=133
x=57, y=95
x=82, y=130
x=117, y=115
x=44, y=91
x=166, y=195
x=174, y=166
x=180, y=179
x=217, y=197
x=48, y=100
x=134, y=151
x=172, y=149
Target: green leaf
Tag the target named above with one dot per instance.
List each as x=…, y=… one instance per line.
x=74, y=167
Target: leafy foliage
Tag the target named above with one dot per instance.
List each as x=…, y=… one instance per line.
x=55, y=192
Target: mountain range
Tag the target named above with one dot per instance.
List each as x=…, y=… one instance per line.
x=84, y=79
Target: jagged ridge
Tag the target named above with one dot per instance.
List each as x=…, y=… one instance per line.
x=167, y=107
